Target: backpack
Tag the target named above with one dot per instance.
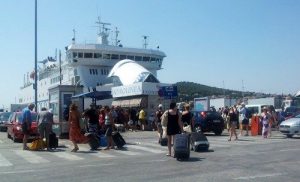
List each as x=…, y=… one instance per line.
x=248, y=114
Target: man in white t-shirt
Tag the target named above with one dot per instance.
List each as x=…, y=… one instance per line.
x=243, y=120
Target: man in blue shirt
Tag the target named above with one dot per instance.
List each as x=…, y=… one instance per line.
x=26, y=123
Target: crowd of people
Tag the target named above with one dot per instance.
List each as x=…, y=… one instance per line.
x=103, y=120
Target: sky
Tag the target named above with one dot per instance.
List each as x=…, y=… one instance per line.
x=250, y=45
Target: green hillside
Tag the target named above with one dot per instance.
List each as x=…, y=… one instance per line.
x=188, y=91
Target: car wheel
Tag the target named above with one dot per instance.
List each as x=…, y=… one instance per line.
x=218, y=131
x=289, y=135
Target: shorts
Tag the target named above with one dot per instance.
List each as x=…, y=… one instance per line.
x=142, y=121
x=109, y=130
x=25, y=128
x=245, y=121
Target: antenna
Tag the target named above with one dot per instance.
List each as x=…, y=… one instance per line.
x=145, y=41
x=243, y=89
x=74, y=36
x=117, y=34
x=103, y=31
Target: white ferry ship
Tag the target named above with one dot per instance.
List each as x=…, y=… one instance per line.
x=86, y=65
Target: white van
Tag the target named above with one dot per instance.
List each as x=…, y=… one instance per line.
x=256, y=109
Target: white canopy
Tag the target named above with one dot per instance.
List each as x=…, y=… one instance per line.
x=130, y=72
x=298, y=94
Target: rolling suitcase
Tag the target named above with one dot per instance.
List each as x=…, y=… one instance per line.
x=53, y=140
x=181, y=146
x=94, y=142
x=118, y=139
x=199, y=141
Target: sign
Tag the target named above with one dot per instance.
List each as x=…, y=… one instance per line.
x=201, y=104
x=168, y=92
x=141, y=88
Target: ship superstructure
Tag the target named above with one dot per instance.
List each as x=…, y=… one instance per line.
x=87, y=65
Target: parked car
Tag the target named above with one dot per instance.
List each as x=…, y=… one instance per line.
x=4, y=117
x=209, y=121
x=290, y=126
x=291, y=111
x=14, y=128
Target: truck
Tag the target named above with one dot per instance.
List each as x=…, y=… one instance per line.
x=268, y=101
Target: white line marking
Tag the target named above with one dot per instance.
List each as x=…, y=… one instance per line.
x=4, y=161
x=66, y=156
x=147, y=149
x=126, y=152
x=30, y=156
x=286, y=150
x=259, y=176
x=102, y=155
x=18, y=172
x=93, y=165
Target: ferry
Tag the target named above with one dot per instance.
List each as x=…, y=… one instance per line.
x=86, y=65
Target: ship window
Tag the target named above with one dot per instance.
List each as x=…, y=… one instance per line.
x=90, y=71
x=106, y=56
x=122, y=57
x=80, y=55
x=97, y=55
x=138, y=58
x=114, y=56
x=74, y=54
x=152, y=59
x=88, y=55
x=101, y=71
x=146, y=58
x=75, y=72
x=96, y=72
x=130, y=57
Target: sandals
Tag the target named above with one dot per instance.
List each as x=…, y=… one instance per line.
x=75, y=150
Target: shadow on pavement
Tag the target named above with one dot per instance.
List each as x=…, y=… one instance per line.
x=191, y=159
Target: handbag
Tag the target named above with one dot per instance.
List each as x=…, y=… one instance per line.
x=187, y=129
x=164, y=119
x=38, y=144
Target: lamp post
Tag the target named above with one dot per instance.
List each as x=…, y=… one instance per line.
x=35, y=59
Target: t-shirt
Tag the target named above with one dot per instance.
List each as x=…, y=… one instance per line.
x=26, y=115
x=242, y=113
x=142, y=114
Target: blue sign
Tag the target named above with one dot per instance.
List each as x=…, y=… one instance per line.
x=168, y=92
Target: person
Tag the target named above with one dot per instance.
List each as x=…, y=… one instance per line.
x=45, y=121
x=174, y=125
x=272, y=120
x=26, y=124
x=132, y=123
x=264, y=119
x=158, y=115
x=142, y=118
x=93, y=119
x=244, y=121
x=109, y=123
x=75, y=133
x=187, y=116
x=233, y=118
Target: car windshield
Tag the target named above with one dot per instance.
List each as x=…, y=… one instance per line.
x=20, y=117
x=4, y=116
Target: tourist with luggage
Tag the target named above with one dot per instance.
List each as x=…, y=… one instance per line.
x=174, y=124
x=26, y=124
x=109, y=123
x=75, y=134
x=233, y=118
x=45, y=121
x=187, y=117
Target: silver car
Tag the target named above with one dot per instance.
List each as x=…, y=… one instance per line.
x=290, y=126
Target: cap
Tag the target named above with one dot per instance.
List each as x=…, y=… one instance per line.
x=160, y=105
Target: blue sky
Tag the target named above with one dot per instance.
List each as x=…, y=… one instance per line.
x=212, y=42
